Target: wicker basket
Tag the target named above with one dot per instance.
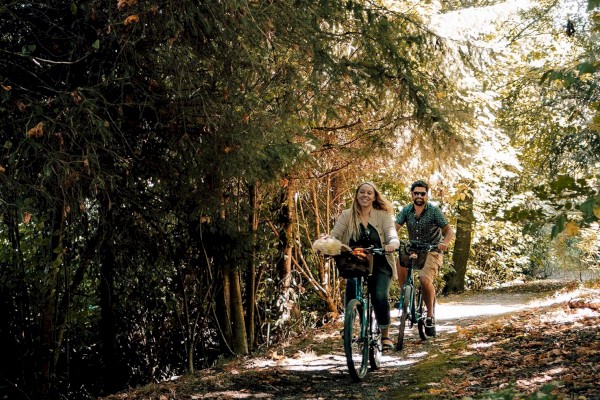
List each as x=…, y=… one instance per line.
x=351, y=266
x=405, y=259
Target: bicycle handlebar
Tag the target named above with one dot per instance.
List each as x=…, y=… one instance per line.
x=418, y=246
x=379, y=250
x=410, y=245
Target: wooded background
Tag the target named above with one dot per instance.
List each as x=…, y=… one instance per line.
x=166, y=165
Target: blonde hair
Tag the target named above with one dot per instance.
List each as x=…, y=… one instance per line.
x=379, y=203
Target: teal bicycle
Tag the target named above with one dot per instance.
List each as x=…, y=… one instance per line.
x=362, y=336
x=411, y=305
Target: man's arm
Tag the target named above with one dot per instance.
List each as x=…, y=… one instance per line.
x=448, y=233
x=400, y=219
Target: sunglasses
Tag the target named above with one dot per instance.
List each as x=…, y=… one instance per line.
x=422, y=194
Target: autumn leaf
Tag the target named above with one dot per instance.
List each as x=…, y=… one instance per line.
x=436, y=391
x=131, y=19
x=463, y=331
x=455, y=371
x=275, y=356
x=2, y=169
x=76, y=97
x=126, y=3
x=486, y=363
x=571, y=228
x=37, y=131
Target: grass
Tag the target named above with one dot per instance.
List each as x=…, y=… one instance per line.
x=425, y=379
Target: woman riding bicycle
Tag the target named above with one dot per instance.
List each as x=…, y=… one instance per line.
x=370, y=222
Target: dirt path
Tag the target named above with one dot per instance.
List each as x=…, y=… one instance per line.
x=468, y=308
x=315, y=367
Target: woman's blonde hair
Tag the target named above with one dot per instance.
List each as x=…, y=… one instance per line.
x=379, y=203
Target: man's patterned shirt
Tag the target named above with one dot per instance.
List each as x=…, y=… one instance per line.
x=425, y=229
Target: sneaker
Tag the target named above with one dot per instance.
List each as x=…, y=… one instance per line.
x=430, y=326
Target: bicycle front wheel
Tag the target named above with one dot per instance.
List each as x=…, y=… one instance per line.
x=356, y=343
x=421, y=313
x=376, y=347
x=404, y=310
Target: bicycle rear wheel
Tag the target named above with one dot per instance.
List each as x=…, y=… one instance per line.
x=356, y=344
x=404, y=310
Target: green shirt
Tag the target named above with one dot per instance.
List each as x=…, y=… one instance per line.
x=427, y=228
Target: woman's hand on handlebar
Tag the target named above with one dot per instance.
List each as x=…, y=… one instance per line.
x=442, y=246
x=390, y=248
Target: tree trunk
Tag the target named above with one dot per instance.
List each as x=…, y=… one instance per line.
x=321, y=265
x=223, y=310
x=455, y=281
x=284, y=264
x=48, y=317
x=240, y=340
x=250, y=299
x=108, y=319
x=113, y=374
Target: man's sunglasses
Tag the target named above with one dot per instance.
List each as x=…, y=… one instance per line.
x=422, y=194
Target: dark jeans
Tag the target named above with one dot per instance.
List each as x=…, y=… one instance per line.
x=379, y=287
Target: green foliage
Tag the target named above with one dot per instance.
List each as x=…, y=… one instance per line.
x=502, y=253
x=132, y=133
x=547, y=111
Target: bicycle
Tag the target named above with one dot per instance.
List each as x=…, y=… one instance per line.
x=411, y=305
x=362, y=336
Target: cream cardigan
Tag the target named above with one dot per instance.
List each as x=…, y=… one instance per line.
x=382, y=221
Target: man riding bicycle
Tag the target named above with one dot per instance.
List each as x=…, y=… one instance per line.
x=425, y=223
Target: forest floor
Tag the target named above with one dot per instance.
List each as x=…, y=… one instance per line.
x=536, y=340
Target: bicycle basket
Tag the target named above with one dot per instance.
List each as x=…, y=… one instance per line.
x=418, y=263
x=350, y=266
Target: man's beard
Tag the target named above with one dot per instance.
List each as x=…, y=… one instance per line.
x=419, y=202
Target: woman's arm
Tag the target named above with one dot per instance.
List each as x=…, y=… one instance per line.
x=391, y=235
x=340, y=229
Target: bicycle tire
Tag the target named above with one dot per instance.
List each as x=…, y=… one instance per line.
x=376, y=347
x=356, y=344
x=421, y=315
x=404, y=310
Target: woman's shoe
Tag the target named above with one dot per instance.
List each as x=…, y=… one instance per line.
x=386, y=344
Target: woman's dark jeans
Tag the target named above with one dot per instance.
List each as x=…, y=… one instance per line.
x=379, y=287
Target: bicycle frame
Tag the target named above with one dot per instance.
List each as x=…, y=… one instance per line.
x=415, y=313
x=365, y=302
